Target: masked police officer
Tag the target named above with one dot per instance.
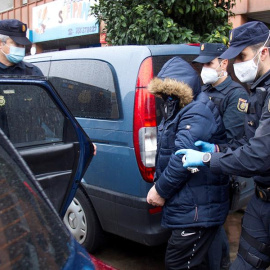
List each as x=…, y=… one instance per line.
x=12, y=49
x=221, y=89
x=250, y=156
x=227, y=95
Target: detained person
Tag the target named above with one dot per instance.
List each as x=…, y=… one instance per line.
x=194, y=204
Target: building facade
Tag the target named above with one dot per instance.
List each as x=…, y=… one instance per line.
x=249, y=10
x=56, y=24
x=69, y=24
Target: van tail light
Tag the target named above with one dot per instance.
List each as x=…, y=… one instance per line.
x=194, y=44
x=144, y=123
x=155, y=210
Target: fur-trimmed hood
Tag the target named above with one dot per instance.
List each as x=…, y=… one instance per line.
x=177, y=78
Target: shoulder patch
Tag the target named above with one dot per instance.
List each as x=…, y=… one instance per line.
x=242, y=105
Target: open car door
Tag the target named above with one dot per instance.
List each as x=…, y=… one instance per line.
x=47, y=136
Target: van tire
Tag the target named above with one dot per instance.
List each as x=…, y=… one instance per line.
x=82, y=221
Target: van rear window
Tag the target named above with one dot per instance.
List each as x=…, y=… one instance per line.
x=87, y=87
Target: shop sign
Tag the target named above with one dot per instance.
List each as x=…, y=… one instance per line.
x=63, y=19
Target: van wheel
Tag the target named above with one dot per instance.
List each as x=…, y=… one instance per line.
x=83, y=222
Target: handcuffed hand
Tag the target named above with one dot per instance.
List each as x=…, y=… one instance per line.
x=206, y=147
x=153, y=197
x=193, y=157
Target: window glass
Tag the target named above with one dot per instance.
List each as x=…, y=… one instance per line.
x=29, y=116
x=44, y=66
x=32, y=236
x=87, y=87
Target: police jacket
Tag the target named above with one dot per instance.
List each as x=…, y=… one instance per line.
x=22, y=68
x=228, y=97
x=192, y=200
x=250, y=156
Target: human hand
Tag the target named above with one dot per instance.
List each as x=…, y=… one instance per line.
x=206, y=147
x=153, y=197
x=193, y=157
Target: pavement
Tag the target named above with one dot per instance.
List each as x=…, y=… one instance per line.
x=122, y=254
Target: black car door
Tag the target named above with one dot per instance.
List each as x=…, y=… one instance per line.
x=47, y=136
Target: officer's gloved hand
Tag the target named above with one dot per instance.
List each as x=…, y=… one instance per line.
x=206, y=147
x=193, y=157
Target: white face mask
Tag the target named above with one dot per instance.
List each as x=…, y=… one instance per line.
x=210, y=75
x=246, y=71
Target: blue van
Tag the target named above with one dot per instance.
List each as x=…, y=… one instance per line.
x=106, y=90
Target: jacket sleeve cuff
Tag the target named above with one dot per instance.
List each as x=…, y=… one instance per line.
x=215, y=164
x=160, y=192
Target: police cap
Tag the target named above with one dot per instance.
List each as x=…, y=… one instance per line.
x=248, y=34
x=209, y=51
x=16, y=30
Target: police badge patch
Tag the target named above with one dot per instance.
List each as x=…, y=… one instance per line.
x=2, y=101
x=242, y=105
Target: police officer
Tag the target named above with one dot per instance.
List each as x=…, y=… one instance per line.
x=249, y=45
x=227, y=96
x=12, y=49
x=221, y=89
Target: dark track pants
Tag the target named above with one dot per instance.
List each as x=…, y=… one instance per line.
x=187, y=248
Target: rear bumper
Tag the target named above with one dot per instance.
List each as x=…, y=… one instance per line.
x=127, y=216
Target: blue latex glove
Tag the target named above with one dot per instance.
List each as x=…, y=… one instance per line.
x=205, y=146
x=193, y=157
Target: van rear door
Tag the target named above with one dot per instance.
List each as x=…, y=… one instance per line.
x=47, y=136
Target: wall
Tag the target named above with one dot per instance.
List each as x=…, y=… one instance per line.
x=245, y=10
x=23, y=12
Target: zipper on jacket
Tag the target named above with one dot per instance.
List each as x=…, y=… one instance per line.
x=196, y=216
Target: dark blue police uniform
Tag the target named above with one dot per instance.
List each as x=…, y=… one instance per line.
x=252, y=158
x=22, y=68
x=227, y=97
x=16, y=30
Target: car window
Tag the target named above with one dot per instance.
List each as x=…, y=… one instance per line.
x=29, y=116
x=44, y=66
x=32, y=236
x=87, y=87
